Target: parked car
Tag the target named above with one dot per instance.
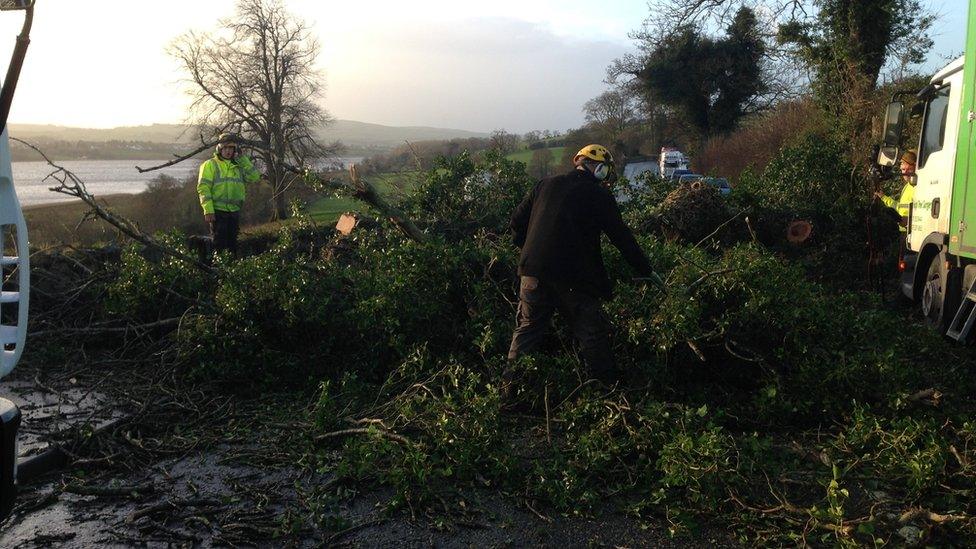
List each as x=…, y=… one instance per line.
x=690, y=178
x=720, y=183
x=676, y=174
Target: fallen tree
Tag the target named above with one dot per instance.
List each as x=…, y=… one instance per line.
x=749, y=395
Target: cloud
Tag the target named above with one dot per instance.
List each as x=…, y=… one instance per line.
x=480, y=74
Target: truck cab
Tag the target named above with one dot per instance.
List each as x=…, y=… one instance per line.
x=672, y=159
x=939, y=261
x=929, y=217
x=929, y=277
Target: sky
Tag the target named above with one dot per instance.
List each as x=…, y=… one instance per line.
x=517, y=65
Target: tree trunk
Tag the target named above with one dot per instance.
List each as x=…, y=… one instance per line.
x=276, y=176
x=278, y=151
x=280, y=210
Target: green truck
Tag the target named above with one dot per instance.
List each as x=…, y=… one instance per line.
x=939, y=262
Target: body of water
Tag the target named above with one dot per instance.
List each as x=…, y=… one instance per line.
x=102, y=177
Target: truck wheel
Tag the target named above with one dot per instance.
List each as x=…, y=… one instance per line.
x=933, y=294
x=953, y=294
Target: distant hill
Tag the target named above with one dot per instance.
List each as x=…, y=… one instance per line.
x=362, y=134
x=357, y=136
x=156, y=133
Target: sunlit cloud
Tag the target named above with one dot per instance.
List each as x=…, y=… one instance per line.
x=514, y=64
x=485, y=73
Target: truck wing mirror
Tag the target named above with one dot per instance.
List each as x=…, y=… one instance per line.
x=894, y=119
x=926, y=93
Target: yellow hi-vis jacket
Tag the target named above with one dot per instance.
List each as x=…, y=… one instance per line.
x=903, y=205
x=221, y=183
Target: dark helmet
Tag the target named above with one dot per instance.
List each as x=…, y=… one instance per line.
x=227, y=138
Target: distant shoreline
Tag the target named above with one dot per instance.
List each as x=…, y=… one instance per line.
x=75, y=202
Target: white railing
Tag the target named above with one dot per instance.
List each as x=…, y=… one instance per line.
x=13, y=333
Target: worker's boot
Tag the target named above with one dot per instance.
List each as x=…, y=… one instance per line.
x=512, y=388
x=601, y=365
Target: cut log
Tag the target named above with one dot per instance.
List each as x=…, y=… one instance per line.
x=799, y=231
x=347, y=222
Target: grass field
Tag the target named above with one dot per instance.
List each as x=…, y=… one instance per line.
x=328, y=210
x=390, y=185
x=62, y=222
x=526, y=154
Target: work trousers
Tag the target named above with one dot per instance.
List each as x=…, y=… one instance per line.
x=224, y=230
x=538, y=301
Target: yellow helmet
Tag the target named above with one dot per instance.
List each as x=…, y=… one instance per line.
x=604, y=170
x=597, y=153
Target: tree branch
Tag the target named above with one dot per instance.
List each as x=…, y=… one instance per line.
x=364, y=191
x=178, y=159
x=69, y=184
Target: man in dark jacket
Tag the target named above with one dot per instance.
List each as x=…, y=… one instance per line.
x=558, y=227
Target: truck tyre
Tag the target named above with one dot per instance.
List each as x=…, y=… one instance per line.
x=953, y=296
x=932, y=301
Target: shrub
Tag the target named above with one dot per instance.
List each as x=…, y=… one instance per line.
x=453, y=429
x=759, y=140
x=461, y=196
x=906, y=451
x=812, y=176
x=660, y=453
x=446, y=295
x=274, y=317
x=153, y=287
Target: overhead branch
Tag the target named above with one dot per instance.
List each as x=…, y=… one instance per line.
x=178, y=159
x=69, y=184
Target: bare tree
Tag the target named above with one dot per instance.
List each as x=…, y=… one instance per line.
x=542, y=163
x=255, y=75
x=504, y=141
x=612, y=112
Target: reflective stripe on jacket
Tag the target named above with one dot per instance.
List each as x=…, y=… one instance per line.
x=903, y=205
x=221, y=183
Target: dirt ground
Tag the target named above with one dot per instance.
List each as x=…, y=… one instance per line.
x=232, y=482
x=212, y=499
